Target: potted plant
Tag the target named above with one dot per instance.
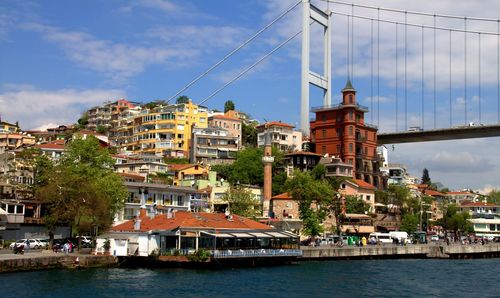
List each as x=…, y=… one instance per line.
x=107, y=246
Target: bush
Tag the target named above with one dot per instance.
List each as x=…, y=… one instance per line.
x=201, y=255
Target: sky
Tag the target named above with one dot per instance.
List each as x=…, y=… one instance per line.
x=59, y=58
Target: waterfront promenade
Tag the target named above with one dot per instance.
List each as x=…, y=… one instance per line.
x=432, y=250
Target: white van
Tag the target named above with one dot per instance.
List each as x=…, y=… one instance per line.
x=401, y=236
x=381, y=237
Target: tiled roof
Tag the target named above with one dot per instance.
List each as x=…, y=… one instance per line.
x=50, y=146
x=183, y=219
x=478, y=204
x=459, y=193
x=225, y=117
x=364, y=184
x=133, y=176
x=283, y=196
x=433, y=193
x=302, y=153
x=275, y=123
x=179, y=167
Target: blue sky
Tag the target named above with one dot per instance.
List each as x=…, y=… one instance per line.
x=59, y=58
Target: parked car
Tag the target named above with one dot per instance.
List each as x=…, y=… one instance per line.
x=27, y=243
x=434, y=238
x=44, y=243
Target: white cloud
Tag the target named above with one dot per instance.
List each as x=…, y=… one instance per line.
x=115, y=60
x=163, y=5
x=35, y=108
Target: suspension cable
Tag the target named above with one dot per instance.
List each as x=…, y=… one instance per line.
x=479, y=75
x=406, y=72
x=498, y=72
x=352, y=44
x=451, y=112
x=434, y=87
x=397, y=78
x=423, y=84
x=465, y=69
x=419, y=25
x=348, y=48
x=378, y=68
x=412, y=12
x=371, y=72
x=200, y=76
x=250, y=67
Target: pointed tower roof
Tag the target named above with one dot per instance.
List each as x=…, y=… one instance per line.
x=348, y=86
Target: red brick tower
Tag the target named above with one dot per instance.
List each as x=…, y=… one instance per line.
x=340, y=130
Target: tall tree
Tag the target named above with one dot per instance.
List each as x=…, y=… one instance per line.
x=242, y=202
x=409, y=223
x=82, y=190
x=228, y=106
x=494, y=196
x=182, y=99
x=315, y=198
x=353, y=204
x=249, y=135
x=426, y=179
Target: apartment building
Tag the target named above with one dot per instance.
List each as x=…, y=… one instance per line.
x=166, y=130
x=231, y=124
x=106, y=115
x=283, y=136
x=213, y=145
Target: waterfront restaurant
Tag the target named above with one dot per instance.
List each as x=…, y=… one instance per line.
x=187, y=232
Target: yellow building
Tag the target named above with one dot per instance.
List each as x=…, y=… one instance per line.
x=8, y=127
x=187, y=174
x=166, y=130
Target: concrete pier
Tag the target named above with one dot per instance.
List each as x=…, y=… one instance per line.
x=409, y=251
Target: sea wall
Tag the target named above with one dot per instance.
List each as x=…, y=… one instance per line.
x=410, y=251
x=28, y=263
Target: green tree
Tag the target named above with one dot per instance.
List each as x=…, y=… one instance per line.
x=175, y=160
x=355, y=205
x=397, y=195
x=242, y=202
x=81, y=189
x=228, y=106
x=409, y=223
x=315, y=198
x=249, y=135
x=182, y=99
x=84, y=120
x=494, y=196
x=426, y=179
x=101, y=129
x=155, y=103
x=456, y=221
x=279, y=180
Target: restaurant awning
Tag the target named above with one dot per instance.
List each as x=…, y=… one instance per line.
x=219, y=235
x=260, y=235
x=242, y=235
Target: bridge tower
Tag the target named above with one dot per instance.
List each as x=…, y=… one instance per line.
x=311, y=12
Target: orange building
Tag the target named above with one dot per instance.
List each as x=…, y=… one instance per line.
x=340, y=130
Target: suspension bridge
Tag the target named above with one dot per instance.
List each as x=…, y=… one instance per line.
x=440, y=72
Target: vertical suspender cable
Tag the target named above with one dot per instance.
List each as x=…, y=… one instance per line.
x=406, y=71
x=465, y=69
x=378, y=67
x=423, y=61
x=371, y=72
x=352, y=42
x=498, y=71
x=348, y=48
x=397, y=79
x=451, y=112
x=479, y=75
x=434, y=71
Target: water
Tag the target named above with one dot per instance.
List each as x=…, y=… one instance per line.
x=378, y=278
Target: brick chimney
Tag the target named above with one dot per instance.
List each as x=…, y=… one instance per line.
x=268, y=160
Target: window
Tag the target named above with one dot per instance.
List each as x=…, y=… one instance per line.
x=350, y=147
x=492, y=227
x=350, y=130
x=324, y=133
x=323, y=149
x=323, y=117
x=351, y=98
x=368, y=198
x=342, y=186
x=351, y=115
x=338, y=148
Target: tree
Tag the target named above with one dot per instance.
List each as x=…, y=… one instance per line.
x=242, y=202
x=397, y=195
x=426, y=179
x=494, y=196
x=182, y=99
x=155, y=103
x=315, y=198
x=84, y=120
x=81, y=190
x=456, y=221
x=228, y=106
x=279, y=180
x=353, y=204
x=101, y=129
x=249, y=135
x=409, y=223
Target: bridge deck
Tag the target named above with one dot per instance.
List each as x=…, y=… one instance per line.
x=456, y=133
